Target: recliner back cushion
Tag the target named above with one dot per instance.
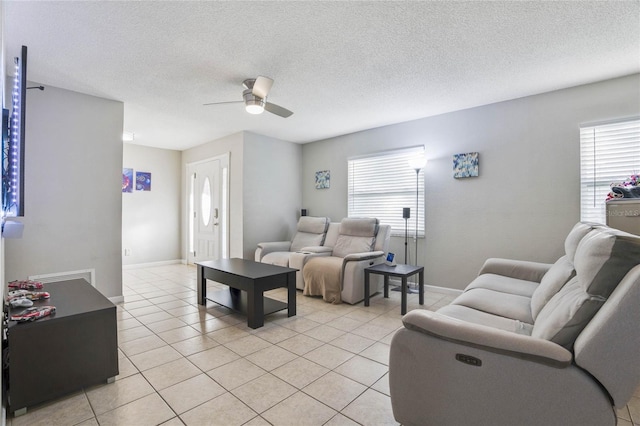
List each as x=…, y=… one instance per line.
x=357, y=235
x=562, y=270
x=359, y=227
x=566, y=314
x=305, y=239
x=579, y=231
x=346, y=244
x=311, y=232
x=555, y=278
x=313, y=225
x=603, y=258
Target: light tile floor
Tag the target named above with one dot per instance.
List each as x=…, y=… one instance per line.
x=182, y=364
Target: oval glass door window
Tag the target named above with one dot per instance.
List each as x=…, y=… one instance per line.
x=205, y=202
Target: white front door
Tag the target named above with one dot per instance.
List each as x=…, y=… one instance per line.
x=205, y=211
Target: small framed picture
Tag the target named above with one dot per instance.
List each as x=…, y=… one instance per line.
x=143, y=181
x=323, y=179
x=465, y=165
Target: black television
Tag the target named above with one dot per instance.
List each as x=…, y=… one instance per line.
x=13, y=137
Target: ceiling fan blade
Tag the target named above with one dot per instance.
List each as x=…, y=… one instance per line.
x=277, y=110
x=262, y=86
x=227, y=102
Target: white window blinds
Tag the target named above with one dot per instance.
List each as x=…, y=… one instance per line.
x=608, y=153
x=381, y=185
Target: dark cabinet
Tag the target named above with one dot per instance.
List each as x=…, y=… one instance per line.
x=75, y=348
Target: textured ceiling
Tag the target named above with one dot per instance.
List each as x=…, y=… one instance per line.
x=340, y=67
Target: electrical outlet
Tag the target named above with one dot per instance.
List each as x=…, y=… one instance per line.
x=127, y=252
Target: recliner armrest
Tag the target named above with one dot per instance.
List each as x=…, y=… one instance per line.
x=520, y=269
x=363, y=256
x=270, y=247
x=488, y=338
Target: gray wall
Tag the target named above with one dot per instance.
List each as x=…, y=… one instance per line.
x=527, y=196
x=272, y=190
x=151, y=219
x=73, y=201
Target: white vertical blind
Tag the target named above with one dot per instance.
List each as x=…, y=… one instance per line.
x=608, y=153
x=381, y=185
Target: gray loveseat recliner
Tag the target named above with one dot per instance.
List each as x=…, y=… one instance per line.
x=528, y=343
x=310, y=231
x=336, y=270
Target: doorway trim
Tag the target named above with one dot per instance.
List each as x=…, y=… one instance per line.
x=224, y=186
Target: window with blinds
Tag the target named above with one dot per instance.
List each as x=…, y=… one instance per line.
x=608, y=153
x=381, y=185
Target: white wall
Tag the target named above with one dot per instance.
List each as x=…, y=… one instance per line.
x=526, y=198
x=73, y=201
x=272, y=190
x=151, y=219
x=234, y=145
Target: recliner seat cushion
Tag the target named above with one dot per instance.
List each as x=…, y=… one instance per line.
x=280, y=258
x=467, y=314
x=497, y=303
x=504, y=284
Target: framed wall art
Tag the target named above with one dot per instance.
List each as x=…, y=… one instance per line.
x=143, y=181
x=127, y=180
x=323, y=179
x=465, y=165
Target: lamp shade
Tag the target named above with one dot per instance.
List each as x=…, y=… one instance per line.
x=418, y=162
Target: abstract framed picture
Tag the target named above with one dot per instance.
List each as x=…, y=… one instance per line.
x=127, y=180
x=323, y=179
x=465, y=165
x=143, y=181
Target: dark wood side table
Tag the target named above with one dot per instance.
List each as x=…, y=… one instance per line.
x=75, y=348
x=247, y=281
x=402, y=271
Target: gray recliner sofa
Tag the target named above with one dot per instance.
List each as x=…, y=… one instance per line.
x=528, y=343
x=310, y=231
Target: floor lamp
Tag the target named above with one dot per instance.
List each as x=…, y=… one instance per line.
x=417, y=163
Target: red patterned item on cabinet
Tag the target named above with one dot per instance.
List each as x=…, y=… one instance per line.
x=32, y=314
x=26, y=294
x=26, y=285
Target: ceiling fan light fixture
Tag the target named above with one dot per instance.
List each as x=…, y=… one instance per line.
x=254, y=107
x=252, y=103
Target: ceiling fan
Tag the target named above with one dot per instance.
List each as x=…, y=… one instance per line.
x=255, y=97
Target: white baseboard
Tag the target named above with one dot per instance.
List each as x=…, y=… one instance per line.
x=116, y=299
x=151, y=264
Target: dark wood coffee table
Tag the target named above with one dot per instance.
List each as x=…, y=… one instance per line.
x=247, y=281
x=402, y=271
